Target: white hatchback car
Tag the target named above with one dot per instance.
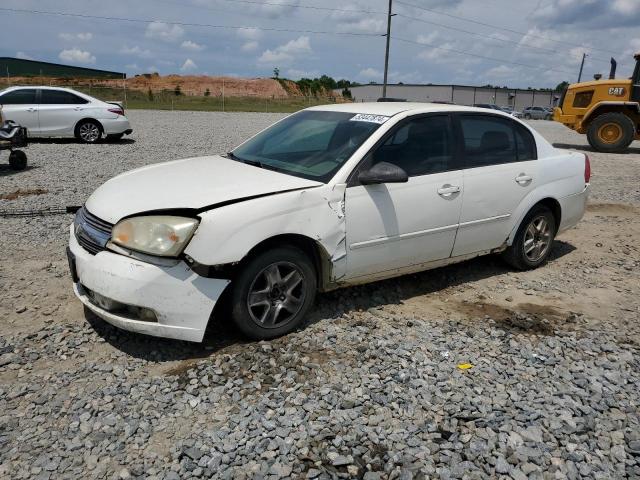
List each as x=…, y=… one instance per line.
x=328, y=197
x=63, y=112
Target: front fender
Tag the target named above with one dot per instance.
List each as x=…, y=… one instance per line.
x=226, y=234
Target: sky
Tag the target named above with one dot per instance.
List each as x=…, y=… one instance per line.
x=515, y=43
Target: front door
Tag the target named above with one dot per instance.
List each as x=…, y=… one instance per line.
x=396, y=225
x=499, y=155
x=21, y=107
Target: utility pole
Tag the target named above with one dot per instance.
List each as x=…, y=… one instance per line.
x=581, y=66
x=386, y=53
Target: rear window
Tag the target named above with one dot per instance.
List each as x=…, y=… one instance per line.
x=59, y=97
x=23, y=96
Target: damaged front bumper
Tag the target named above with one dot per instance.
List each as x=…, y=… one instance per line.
x=164, y=301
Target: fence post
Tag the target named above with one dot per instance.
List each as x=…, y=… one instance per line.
x=223, y=94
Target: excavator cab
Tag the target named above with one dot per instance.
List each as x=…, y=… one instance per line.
x=607, y=111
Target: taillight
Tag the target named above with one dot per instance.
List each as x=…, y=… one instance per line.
x=117, y=111
x=587, y=169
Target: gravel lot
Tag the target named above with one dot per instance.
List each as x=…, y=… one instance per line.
x=369, y=389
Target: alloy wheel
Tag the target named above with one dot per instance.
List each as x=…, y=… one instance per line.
x=89, y=132
x=537, y=238
x=276, y=294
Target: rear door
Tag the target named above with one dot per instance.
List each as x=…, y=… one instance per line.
x=500, y=169
x=396, y=225
x=21, y=106
x=60, y=111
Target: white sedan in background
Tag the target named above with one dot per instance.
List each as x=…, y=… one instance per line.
x=63, y=112
x=328, y=197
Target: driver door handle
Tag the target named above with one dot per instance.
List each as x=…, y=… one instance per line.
x=31, y=109
x=448, y=190
x=523, y=179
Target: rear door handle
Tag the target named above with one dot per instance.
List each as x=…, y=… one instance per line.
x=448, y=190
x=31, y=109
x=523, y=179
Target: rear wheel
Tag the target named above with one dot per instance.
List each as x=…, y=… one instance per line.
x=273, y=293
x=532, y=243
x=611, y=132
x=18, y=160
x=89, y=131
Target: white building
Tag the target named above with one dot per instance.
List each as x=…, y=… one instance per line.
x=458, y=94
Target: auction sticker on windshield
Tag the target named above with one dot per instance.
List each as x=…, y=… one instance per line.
x=364, y=117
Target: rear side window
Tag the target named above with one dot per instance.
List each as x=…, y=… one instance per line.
x=491, y=140
x=24, y=96
x=487, y=140
x=59, y=97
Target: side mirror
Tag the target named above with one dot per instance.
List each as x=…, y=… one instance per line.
x=383, y=172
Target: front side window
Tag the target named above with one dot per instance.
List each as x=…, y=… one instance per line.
x=420, y=146
x=25, y=96
x=59, y=97
x=310, y=144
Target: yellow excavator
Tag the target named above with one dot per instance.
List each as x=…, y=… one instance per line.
x=608, y=111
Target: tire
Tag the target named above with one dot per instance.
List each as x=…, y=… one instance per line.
x=527, y=116
x=516, y=255
x=547, y=117
x=114, y=137
x=611, y=132
x=89, y=131
x=18, y=160
x=260, y=293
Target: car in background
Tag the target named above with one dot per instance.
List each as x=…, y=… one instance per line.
x=511, y=111
x=537, y=113
x=63, y=112
x=328, y=197
x=493, y=106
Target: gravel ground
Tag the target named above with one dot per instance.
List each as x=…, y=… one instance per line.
x=370, y=388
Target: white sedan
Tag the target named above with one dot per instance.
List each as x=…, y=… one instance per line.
x=328, y=197
x=63, y=112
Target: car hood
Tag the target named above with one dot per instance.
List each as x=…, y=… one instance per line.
x=193, y=184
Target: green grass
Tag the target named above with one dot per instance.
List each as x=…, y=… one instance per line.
x=169, y=101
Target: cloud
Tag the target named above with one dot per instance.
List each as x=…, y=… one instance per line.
x=164, y=31
x=23, y=56
x=71, y=37
x=370, y=74
x=135, y=50
x=595, y=13
x=500, y=72
x=249, y=33
x=276, y=8
x=188, y=66
x=297, y=74
x=357, y=21
x=286, y=53
x=192, y=46
x=251, y=46
x=75, y=55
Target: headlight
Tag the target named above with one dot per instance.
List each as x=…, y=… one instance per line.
x=161, y=235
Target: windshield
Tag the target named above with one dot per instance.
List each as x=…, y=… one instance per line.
x=309, y=144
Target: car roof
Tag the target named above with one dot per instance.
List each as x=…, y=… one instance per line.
x=42, y=87
x=392, y=108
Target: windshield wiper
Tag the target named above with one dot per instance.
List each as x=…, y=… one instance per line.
x=253, y=163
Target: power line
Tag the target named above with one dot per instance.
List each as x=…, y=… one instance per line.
x=477, y=22
x=500, y=60
x=484, y=35
x=185, y=24
x=310, y=7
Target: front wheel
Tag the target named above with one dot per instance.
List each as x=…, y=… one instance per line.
x=532, y=243
x=611, y=132
x=89, y=131
x=273, y=293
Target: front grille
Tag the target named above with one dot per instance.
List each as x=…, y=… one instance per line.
x=92, y=233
